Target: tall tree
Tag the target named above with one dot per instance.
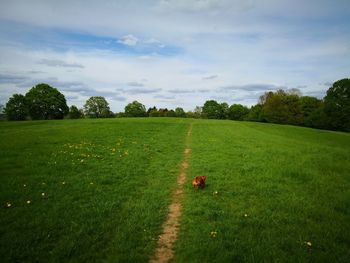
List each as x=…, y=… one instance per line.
x=46, y=102
x=281, y=107
x=135, y=109
x=75, y=113
x=197, y=112
x=171, y=113
x=97, y=107
x=212, y=109
x=224, y=109
x=237, y=112
x=16, y=108
x=337, y=105
x=180, y=112
x=309, y=105
x=255, y=113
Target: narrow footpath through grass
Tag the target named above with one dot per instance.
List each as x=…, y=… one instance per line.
x=164, y=251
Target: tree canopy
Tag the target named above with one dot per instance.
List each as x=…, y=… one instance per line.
x=75, y=113
x=337, y=105
x=16, y=108
x=237, y=112
x=97, y=107
x=45, y=102
x=135, y=109
x=180, y=112
x=281, y=106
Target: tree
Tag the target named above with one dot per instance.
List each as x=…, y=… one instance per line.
x=2, y=112
x=317, y=118
x=154, y=109
x=135, y=109
x=337, y=105
x=153, y=112
x=237, y=112
x=16, y=108
x=281, y=107
x=308, y=107
x=46, y=102
x=75, y=113
x=224, y=109
x=197, y=112
x=212, y=109
x=171, y=113
x=163, y=112
x=255, y=113
x=180, y=112
x=97, y=107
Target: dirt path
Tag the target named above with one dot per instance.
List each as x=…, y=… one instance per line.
x=164, y=251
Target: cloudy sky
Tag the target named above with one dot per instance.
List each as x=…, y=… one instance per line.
x=172, y=53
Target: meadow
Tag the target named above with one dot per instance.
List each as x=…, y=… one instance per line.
x=98, y=191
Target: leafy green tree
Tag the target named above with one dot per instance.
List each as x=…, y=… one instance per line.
x=255, y=113
x=171, y=113
x=135, y=109
x=120, y=115
x=154, y=113
x=180, y=112
x=197, y=112
x=154, y=109
x=97, y=107
x=237, y=112
x=75, y=113
x=46, y=102
x=317, y=118
x=212, y=109
x=308, y=106
x=16, y=108
x=224, y=109
x=337, y=105
x=163, y=112
x=281, y=107
x=2, y=112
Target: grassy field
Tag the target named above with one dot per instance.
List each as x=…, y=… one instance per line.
x=271, y=189
x=98, y=190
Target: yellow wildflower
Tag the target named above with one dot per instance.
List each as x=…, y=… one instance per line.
x=245, y=215
x=42, y=194
x=308, y=243
x=63, y=182
x=28, y=202
x=213, y=233
x=8, y=204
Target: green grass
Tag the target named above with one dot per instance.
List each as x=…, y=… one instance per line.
x=111, y=205
x=293, y=183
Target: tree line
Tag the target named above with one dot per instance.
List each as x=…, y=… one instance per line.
x=281, y=106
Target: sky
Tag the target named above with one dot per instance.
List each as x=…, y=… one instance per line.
x=173, y=53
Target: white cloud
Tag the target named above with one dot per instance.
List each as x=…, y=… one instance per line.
x=59, y=63
x=152, y=41
x=129, y=40
x=243, y=42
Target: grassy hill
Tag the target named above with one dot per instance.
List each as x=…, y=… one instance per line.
x=99, y=190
